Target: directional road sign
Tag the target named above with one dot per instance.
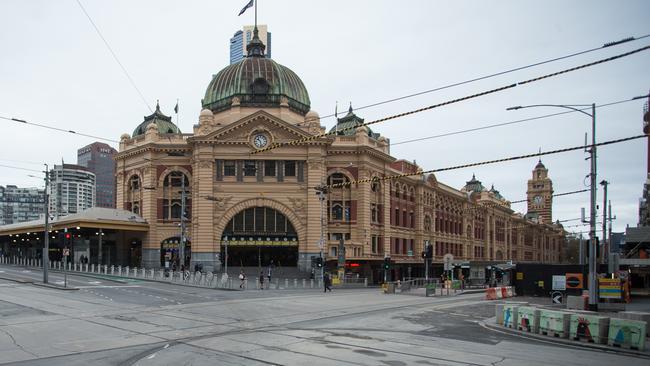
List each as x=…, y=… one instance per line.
x=556, y=296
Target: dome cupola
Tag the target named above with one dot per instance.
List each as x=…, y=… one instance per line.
x=162, y=122
x=256, y=81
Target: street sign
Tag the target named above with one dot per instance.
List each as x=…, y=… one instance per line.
x=559, y=283
x=574, y=281
x=556, y=297
x=447, y=259
x=66, y=252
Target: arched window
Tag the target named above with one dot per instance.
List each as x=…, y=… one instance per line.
x=134, y=183
x=337, y=212
x=175, y=179
x=132, y=200
x=173, y=196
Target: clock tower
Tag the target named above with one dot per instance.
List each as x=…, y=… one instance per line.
x=540, y=195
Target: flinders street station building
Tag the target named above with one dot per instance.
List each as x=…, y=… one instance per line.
x=193, y=195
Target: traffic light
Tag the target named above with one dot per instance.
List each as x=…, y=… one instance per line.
x=429, y=251
x=68, y=236
x=319, y=262
x=387, y=263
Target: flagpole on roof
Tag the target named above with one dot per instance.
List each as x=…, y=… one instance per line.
x=255, y=13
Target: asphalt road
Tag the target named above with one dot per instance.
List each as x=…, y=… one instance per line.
x=146, y=323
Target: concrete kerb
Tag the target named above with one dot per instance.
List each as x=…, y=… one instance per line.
x=17, y=280
x=490, y=323
x=56, y=287
x=93, y=275
x=31, y=282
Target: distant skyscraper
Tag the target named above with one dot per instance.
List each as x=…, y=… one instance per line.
x=240, y=40
x=72, y=189
x=20, y=204
x=98, y=158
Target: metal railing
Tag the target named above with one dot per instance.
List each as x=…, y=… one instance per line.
x=198, y=278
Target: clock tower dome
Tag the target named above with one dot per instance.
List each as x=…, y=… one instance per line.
x=540, y=195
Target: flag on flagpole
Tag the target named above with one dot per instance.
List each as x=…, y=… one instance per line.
x=176, y=108
x=249, y=5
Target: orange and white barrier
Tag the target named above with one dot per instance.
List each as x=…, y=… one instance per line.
x=490, y=293
x=495, y=293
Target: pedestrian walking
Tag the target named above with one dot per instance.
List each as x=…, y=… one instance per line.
x=261, y=280
x=242, y=278
x=268, y=276
x=327, y=283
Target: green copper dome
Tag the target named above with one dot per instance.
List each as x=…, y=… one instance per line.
x=256, y=81
x=164, y=123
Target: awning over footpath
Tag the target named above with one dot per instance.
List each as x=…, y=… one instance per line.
x=96, y=218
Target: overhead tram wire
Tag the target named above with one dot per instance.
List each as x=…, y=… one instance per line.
x=480, y=128
x=479, y=78
x=487, y=162
x=392, y=143
x=19, y=168
x=556, y=195
x=144, y=100
x=56, y=128
x=452, y=101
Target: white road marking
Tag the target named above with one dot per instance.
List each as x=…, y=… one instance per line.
x=94, y=282
x=167, y=345
x=151, y=356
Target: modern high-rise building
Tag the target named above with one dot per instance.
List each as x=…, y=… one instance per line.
x=242, y=38
x=98, y=158
x=20, y=204
x=72, y=189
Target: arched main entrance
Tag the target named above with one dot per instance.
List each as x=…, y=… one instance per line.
x=259, y=236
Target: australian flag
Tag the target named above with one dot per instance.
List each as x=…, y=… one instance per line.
x=249, y=5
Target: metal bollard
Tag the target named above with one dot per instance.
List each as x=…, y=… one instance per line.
x=286, y=283
x=112, y=270
x=92, y=268
x=365, y=282
x=295, y=283
x=126, y=271
x=144, y=272
x=311, y=283
x=303, y=283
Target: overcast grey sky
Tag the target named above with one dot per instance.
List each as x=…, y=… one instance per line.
x=56, y=70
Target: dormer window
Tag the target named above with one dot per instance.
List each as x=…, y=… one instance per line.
x=260, y=86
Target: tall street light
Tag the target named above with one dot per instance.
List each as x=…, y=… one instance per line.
x=593, y=300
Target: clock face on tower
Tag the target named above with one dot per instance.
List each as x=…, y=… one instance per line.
x=260, y=140
x=537, y=200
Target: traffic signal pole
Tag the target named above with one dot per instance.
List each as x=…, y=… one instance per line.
x=46, y=242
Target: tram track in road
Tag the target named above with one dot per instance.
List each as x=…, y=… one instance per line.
x=187, y=341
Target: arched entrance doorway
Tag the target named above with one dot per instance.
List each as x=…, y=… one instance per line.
x=259, y=236
x=169, y=252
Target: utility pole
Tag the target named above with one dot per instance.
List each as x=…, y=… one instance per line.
x=605, y=244
x=181, y=247
x=593, y=299
x=46, y=242
x=321, y=196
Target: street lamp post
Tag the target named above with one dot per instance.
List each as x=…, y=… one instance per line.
x=46, y=243
x=321, y=197
x=593, y=300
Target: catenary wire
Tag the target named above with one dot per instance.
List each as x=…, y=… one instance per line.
x=19, y=168
x=110, y=49
x=452, y=101
x=487, y=162
x=504, y=123
x=392, y=143
x=56, y=128
x=556, y=195
x=479, y=78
